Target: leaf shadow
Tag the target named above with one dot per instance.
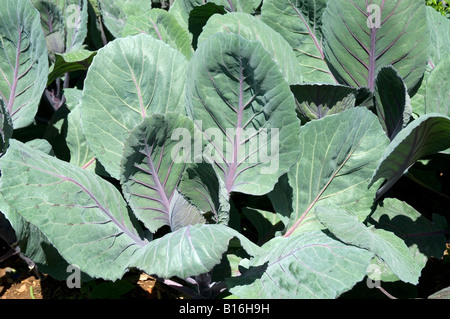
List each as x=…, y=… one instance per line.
x=248, y=275
x=429, y=237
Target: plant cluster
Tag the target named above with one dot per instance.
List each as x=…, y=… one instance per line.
x=440, y=6
x=228, y=148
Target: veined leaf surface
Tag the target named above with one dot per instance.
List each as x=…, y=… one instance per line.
x=423, y=236
x=189, y=251
x=252, y=28
x=392, y=101
x=162, y=25
x=201, y=185
x=152, y=166
x=300, y=23
x=339, y=155
x=437, y=98
x=82, y=215
x=306, y=265
x=129, y=79
x=23, y=60
x=115, y=14
x=361, y=37
x=386, y=245
x=426, y=135
x=315, y=101
x=240, y=101
x=439, y=27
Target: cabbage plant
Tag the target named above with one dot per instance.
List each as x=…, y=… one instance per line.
x=239, y=148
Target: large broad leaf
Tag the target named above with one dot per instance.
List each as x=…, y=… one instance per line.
x=129, y=79
x=241, y=102
x=23, y=60
x=315, y=101
x=30, y=242
x=161, y=25
x=82, y=215
x=437, y=98
x=386, y=245
x=252, y=28
x=115, y=14
x=190, y=251
x=338, y=156
x=392, y=101
x=361, y=37
x=152, y=165
x=424, y=238
x=439, y=28
x=307, y=265
x=427, y=135
x=300, y=23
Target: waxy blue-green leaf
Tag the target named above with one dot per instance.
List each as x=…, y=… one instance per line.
x=52, y=22
x=338, y=156
x=161, y=25
x=437, y=98
x=300, y=23
x=129, y=79
x=439, y=29
x=32, y=243
x=306, y=266
x=183, y=213
x=64, y=24
x=241, y=102
x=424, y=237
x=315, y=101
x=189, y=251
x=6, y=128
x=70, y=62
x=361, y=37
x=151, y=168
x=76, y=18
x=252, y=28
x=386, y=245
x=201, y=185
x=81, y=154
x=424, y=136
x=23, y=60
x=82, y=215
x=393, y=105
x=115, y=14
